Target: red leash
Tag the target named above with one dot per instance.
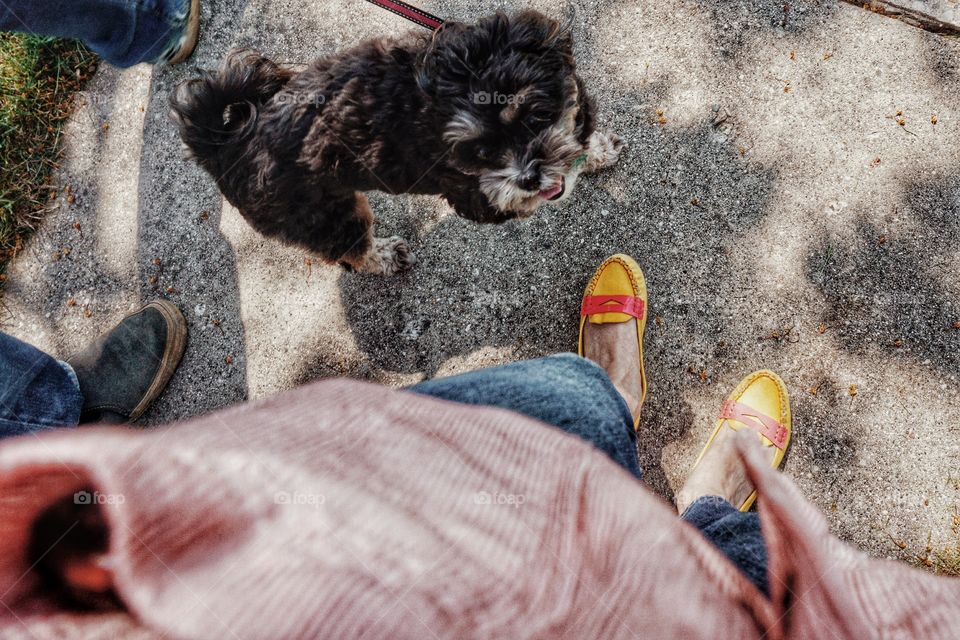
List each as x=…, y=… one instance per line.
x=411, y=13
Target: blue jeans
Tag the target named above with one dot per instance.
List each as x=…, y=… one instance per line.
x=122, y=32
x=574, y=394
x=37, y=392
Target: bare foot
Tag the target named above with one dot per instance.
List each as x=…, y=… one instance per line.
x=613, y=346
x=720, y=472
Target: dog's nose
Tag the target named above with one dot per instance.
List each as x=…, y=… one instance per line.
x=529, y=181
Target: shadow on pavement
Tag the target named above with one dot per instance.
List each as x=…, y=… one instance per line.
x=736, y=21
x=891, y=292
x=179, y=220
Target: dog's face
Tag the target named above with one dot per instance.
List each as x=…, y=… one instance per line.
x=514, y=112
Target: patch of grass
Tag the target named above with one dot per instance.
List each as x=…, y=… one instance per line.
x=38, y=80
x=945, y=561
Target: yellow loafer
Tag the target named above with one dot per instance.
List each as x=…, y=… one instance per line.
x=760, y=402
x=617, y=293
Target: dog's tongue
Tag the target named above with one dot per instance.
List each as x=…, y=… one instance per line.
x=546, y=194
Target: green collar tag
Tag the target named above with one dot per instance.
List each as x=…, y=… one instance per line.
x=579, y=161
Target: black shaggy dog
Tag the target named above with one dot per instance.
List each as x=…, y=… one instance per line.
x=491, y=116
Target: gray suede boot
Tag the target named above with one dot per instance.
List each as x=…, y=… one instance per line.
x=127, y=369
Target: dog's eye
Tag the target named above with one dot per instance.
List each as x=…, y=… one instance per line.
x=473, y=154
x=539, y=120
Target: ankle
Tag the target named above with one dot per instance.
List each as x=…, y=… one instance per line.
x=720, y=473
x=631, y=401
x=693, y=491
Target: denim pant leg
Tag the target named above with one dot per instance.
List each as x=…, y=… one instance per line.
x=566, y=391
x=735, y=533
x=36, y=391
x=122, y=32
x=574, y=394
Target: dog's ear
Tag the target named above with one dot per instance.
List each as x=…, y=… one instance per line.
x=462, y=55
x=533, y=30
x=458, y=52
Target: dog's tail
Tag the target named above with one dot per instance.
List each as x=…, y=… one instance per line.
x=217, y=110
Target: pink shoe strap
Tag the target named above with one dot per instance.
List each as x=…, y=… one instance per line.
x=764, y=425
x=629, y=305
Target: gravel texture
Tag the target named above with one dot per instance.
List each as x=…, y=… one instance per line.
x=784, y=217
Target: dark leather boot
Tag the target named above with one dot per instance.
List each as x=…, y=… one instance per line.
x=126, y=369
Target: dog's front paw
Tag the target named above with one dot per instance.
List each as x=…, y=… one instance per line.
x=387, y=257
x=401, y=257
x=603, y=151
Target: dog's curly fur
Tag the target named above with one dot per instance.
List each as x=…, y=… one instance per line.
x=491, y=115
